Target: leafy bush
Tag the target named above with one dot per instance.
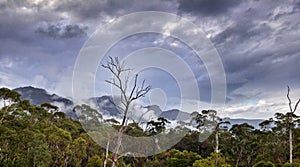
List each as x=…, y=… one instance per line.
x=264, y=164
x=294, y=164
x=214, y=160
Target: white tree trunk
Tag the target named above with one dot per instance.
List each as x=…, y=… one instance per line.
x=291, y=145
x=117, y=148
x=106, y=153
x=217, y=142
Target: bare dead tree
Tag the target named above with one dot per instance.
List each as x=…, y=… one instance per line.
x=120, y=80
x=291, y=113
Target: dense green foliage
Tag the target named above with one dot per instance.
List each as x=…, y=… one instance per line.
x=44, y=136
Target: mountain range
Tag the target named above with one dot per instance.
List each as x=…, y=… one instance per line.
x=106, y=105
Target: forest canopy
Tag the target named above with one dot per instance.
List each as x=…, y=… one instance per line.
x=32, y=135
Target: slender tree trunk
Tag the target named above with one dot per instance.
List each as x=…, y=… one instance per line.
x=217, y=147
x=117, y=68
x=217, y=142
x=117, y=148
x=120, y=136
x=106, y=153
x=157, y=145
x=239, y=157
x=291, y=123
x=34, y=157
x=291, y=145
x=66, y=161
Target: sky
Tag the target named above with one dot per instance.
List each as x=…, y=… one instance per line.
x=258, y=42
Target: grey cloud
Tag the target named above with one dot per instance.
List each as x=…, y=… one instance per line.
x=283, y=11
x=31, y=53
x=93, y=9
x=89, y=9
x=256, y=48
x=242, y=31
x=59, y=30
x=14, y=27
x=207, y=7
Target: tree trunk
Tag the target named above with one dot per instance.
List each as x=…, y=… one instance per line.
x=117, y=148
x=239, y=157
x=217, y=147
x=117, y=68
x=291, y=145
x=120, y=135
x=106, y=153
x=217, y=142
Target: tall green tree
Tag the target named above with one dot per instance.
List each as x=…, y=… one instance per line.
x=244, y=146
x=209, y=119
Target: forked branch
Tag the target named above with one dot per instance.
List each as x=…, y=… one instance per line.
x=290, y=102
x=121, y=82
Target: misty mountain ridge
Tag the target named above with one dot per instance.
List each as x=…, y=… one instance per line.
x=107, y=106
x=38, y=96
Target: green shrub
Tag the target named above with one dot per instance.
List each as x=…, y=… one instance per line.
x=214, y=160
x=294, y=164
x=264, y=164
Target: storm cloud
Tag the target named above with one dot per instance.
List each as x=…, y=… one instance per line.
x=61, y=31
x=207, y=7
x=258, y=42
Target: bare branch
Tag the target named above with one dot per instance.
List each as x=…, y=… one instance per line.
x=126, y=81
x=113, y=65
x=112, y=102
x=290, y=102
x=121, y=82
x=108, y=66
x=123, y=100
x=134, y=87
x=141, y=92
x=113, y=83
x=296, y=106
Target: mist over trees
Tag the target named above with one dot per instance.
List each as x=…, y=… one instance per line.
x=43, y=135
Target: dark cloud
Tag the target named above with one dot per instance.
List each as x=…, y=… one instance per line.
x=93, y=9
x=258, y=45
x=242, y=31
x=258, y=41
x=206, y=7
x=298, y=4
x=59, y=30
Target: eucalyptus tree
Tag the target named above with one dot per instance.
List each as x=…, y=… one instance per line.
x=128, y=94
x=291, y=123
x=243, y=143
x=209, y=119
x=9, y=96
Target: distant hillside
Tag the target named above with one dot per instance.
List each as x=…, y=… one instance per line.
x=38, y=96
x=253, y=122
x=155, y=108
x=107, y=106
x=175, y=114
